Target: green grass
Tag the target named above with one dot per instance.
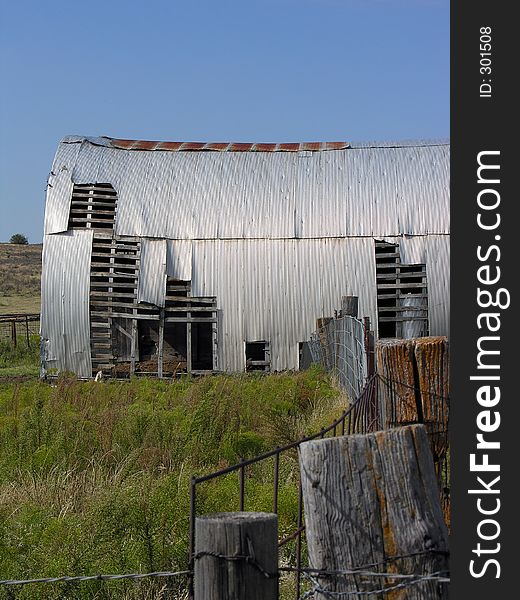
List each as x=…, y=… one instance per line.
x=20, y=361
x=94, y=477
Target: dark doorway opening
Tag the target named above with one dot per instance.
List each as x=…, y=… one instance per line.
x=258, y=357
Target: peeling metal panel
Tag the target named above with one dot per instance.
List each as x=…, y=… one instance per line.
x=178, y=259
x=65, y=321
x=151, y=287
x=375, y=191
x=59, y=188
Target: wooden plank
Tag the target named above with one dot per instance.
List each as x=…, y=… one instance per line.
x=401, y=319
x=132, y=257
x=188, y=341
x=125, y=316
x=207, y=309
x=115, y=285
x=87, y=220
x=190, y=299
x=113, y=294
x=190, y=320
x=396, y=295
x=160, y=344
x=114, y=274
x=423, y=308
x=83, y=210
x=420, y=274
x=118, y=304
x=394, y=286
x=114, y=265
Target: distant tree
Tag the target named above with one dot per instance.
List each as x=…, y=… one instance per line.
x=19, y=238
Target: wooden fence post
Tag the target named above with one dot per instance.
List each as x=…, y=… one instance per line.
x=370, y=499
x=349, y=306
x=236, y=556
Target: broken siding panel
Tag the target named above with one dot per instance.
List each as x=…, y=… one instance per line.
x=151, y=287
x=65, y=321
x=59, y=188
x=178, y=259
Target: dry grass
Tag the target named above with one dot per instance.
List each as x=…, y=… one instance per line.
x=20, y=274
x=94, y=477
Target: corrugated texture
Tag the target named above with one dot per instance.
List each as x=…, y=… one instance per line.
x=178, y=259
x=275, y=290
x=59, y=188
x=383, y=191
x=65, y=324
x=151, y=285
x=276, y=237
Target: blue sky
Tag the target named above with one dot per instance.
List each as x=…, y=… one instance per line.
x=211, y=70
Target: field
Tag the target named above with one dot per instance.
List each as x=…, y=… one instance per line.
x=20, y=273
x=94, y=477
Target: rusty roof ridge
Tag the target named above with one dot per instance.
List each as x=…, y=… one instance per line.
x=182, y=146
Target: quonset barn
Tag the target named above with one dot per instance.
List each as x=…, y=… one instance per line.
x=167, y=257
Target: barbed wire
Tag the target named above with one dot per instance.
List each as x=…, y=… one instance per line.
x=438, y=576
x=249, y=559
x=78, y=578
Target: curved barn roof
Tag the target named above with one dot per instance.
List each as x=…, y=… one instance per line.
x=198, y=190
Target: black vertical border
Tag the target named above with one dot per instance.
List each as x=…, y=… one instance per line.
x=479, y=124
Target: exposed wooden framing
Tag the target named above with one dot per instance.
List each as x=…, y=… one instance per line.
x=188, y=341
x=113, y=294
x=134, y=348
x=160, y=344
x=189, y=319
x=127, y=315
x=190, y=299
x=394, y=281
x=115, y=284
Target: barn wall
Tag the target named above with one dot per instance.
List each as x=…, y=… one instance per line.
x=234, y=195
x=277, y=238
x=65, y=323
x=275, y=290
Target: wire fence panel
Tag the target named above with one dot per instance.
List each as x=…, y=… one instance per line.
x=19, y=328
x=339, y=346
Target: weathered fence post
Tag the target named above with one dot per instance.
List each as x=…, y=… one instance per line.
x=349, y=306
x=372, y=501
x=236, y=556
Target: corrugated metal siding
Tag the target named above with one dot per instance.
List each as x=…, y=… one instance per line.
x=275, y=290
x=151, y=285
x=65, y=321
x=178, y=259
x=211, y=195
x=59, y=188
x=278, y=238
